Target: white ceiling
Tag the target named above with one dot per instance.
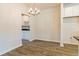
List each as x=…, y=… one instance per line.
x=42, y=5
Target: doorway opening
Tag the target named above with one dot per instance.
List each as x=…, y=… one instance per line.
x=26, y=34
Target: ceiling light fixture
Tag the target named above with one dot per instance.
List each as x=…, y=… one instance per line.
x=34, y=11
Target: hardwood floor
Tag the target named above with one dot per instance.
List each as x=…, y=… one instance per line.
x=43, y=48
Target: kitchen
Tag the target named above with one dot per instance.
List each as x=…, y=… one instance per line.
x=25, y=27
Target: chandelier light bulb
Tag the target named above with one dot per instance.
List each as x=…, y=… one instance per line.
x=30, y=10
x=36, y=9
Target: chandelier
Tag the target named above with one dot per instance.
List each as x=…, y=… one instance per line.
x=33, y=11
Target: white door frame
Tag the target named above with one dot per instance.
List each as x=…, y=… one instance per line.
x=61, y=39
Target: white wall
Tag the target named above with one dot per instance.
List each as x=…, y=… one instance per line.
x=47, y=25
x=10, y=26
x=33, y=27
x=25, y=19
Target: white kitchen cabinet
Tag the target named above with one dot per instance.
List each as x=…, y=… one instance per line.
x=71, y=11
x=68, y=12
x=75, y=10
x=26, y=35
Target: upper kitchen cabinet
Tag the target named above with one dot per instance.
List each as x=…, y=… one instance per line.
x=71, y=11
x=75, y=10
x=67, y=12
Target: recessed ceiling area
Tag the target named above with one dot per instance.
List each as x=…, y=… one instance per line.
x=42, y=5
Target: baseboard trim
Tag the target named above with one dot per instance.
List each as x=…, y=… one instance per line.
x=56, y=41
x=3, y=52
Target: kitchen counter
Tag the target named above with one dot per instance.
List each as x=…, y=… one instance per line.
x=25, y=29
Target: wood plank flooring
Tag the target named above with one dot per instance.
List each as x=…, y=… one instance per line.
x=43, y=48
